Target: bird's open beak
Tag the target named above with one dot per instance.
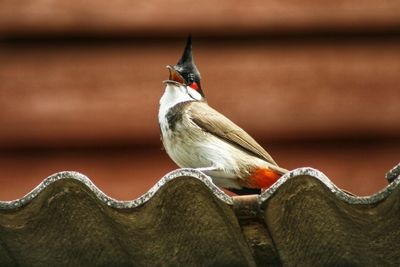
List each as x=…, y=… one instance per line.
x=175, y=76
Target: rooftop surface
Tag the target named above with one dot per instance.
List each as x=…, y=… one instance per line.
x=186, y=219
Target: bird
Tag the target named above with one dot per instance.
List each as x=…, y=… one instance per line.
x=195, y=135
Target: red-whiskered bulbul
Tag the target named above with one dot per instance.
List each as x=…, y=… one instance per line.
x=197, y=136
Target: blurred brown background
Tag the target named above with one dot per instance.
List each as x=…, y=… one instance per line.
x=316, y=83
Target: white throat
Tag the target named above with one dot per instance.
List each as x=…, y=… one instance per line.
x=175, y=94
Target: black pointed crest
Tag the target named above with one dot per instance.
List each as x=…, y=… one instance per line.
x=187, y=56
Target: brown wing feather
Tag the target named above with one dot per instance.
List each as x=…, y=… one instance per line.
x=214, y=122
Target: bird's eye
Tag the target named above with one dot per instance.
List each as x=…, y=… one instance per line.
x=191, y=82
x=190, y=78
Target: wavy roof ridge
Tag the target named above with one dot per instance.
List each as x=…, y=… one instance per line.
x=206, y=180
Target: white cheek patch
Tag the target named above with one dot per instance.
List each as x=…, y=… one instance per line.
x=193, y=93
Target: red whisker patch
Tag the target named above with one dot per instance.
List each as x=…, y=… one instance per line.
x=194, y=86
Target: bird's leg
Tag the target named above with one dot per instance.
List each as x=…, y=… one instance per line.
x=209, y=169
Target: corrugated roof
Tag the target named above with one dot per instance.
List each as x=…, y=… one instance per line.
x=304, y=219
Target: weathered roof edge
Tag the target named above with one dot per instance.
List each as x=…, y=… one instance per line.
x=12, y=204
x=17, y=203
x=339, y=193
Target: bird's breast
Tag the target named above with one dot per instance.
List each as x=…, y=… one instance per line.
x=190, y=146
